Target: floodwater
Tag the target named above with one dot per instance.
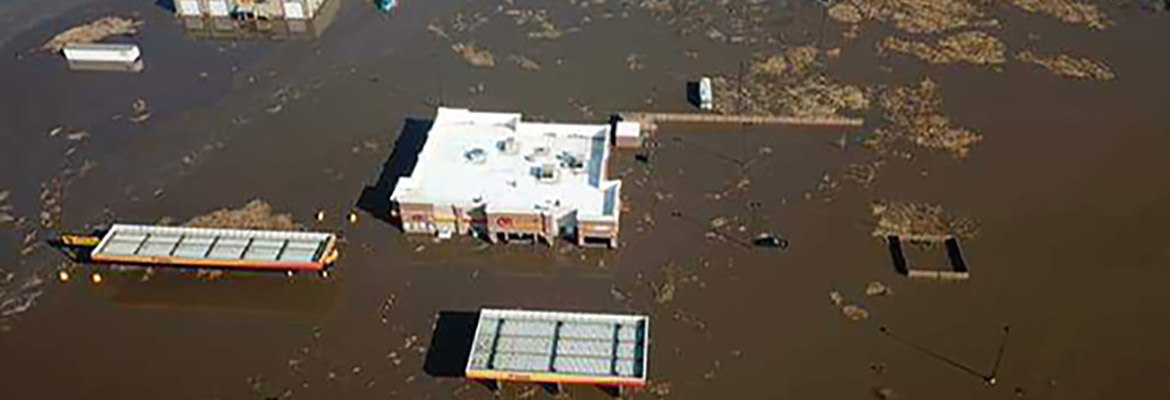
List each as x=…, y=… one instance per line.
x=1067, y=188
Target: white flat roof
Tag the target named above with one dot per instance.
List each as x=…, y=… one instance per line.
x=217, y=244
x=465, y=162
x=565, y=343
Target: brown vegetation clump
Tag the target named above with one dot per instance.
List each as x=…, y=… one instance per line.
x=919, y=222
x=1068, y=11
x=913, y=16
x=973, y=47
x=662, y=6
x=818, y=96
x=915, y=115
x=257, y=214
x=792, y=83
x=846, y=12
x=474, y=56
x=93, y=32
x=793, y=61
x=1068, y=66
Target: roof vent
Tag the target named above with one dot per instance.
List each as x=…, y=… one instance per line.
x=475, y=156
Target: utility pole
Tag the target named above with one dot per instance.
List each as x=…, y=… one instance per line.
x=439, y=76
x=824, y=20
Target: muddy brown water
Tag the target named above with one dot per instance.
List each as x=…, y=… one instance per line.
x=1067, y=187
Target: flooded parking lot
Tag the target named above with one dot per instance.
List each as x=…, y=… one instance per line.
x=1064, y=188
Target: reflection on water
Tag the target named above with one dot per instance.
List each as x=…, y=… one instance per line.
x=136, y=66
x=222, y=291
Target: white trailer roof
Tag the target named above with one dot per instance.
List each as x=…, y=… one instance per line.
x=212, y=244
x=560, y=343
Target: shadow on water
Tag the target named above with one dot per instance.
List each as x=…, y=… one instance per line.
x=168, y=5
x=896, y=255
x=375, y=199
x=451, y=344
x=232, y=291
x=955, y=255
x=693, y=94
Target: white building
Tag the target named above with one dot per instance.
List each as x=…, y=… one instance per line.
x=495, y=175
x=274, y=9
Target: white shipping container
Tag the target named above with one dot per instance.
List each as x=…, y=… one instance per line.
x=705, y=96
x=100, y=52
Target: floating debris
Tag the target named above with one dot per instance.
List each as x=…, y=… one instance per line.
x=476, y=57
x=919, y=222
x=257, y=214
x=93, y=32
x=438, y=30
x=883, y=393
x=718, y=222
x=547, y=31
x=672, y=277
x=1068, y=66
x=141, y=114
x=139, y=105
x=855, y=313
x=973, y=47
x=19, y=304
x=836, y=298
x=915, y=115
x=1068, y=11
x=660, y=389
x=77, y=136
x=617, y=294
x=525, y=63
x=661, y=6
x=862, y=174
x=876, y=288
x=634, y=62
x=770, y=241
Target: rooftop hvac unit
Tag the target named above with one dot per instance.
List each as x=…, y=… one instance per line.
x=547, y=173
x=509, y=146
x=571, y=161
